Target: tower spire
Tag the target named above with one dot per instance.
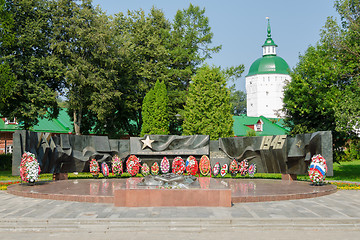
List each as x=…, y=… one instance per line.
x=269, y=45
x=268, y=28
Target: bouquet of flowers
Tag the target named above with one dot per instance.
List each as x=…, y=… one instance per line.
x=224, y=170
x=243, y=168
x=29, y=168
x=178, y=166
x=155, y=169
x=94, y=167
x=191, y=165
x=117, y=168
x=105, y=169
x=216, y=169
x=317, y=170
x=145, y=170
x=165, y=165
x=133, y=165
x=204, y=165
x=252, y=170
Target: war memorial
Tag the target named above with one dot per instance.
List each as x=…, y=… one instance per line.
x=63, y=154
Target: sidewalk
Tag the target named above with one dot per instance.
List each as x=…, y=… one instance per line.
x=331, y=216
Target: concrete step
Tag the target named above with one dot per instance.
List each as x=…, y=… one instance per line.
x=130, y=225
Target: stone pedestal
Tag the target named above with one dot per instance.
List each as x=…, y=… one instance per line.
x=288, y=177
x=60, y=176
x=172, y=197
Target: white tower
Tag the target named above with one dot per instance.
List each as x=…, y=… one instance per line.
x=265, y=82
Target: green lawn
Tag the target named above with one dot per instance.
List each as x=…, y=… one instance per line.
x=346, y=171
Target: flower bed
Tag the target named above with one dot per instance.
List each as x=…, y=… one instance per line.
x=346, y=186
x=4, y=185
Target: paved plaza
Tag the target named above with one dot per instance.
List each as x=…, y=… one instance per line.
x=328, y=217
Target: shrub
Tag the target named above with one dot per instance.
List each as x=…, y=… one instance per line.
x=5, y=162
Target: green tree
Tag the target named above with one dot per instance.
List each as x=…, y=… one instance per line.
x=25, y=61
x=208, y=109
x=324, y=91
x=82, y=53
x=155, y=111
x=7, y=79
x=237, y=97
x=142, y=58
x=238, y=102
x=190, y=45
x=150, y=48
x=344, y=41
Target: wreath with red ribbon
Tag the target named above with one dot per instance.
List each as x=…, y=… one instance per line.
x=205, y=166
x=133, y=165
x=192, y=165
x=178, y=166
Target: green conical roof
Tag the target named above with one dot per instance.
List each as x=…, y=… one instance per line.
x=269, y=64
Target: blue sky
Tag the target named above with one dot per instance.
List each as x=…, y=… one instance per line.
x=240, y=25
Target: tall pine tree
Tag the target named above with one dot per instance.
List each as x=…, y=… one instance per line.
x=155, y=111
x=208, y=109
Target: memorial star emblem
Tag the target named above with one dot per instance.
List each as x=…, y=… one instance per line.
x=147, y=142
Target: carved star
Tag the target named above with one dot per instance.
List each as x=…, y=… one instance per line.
x=147, y=142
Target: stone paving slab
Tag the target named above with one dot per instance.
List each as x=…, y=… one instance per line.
x=328, y=217
x=342, y=204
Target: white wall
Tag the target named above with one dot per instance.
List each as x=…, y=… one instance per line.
x=264, y=94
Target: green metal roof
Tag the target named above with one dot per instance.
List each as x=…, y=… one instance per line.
x=269, y=128
x=269, y=64
x=269, y=42
x=62, y=124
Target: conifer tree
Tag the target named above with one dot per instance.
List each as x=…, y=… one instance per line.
x=208, y=109
x=155, y=112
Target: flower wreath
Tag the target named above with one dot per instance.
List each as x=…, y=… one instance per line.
x=94, y=167
x=204, y=165
x=178, y=166
x=105, y=169
x=117, y=168
x=243, y=168
x=145, y=170
x=317, y=170
x=191, y=165
x=252, y=170
x=234, y=167
x=224, y=170
x=165, y=165
x=216, y=169
x=155, y=168
x=29, y=168
x=133, y=165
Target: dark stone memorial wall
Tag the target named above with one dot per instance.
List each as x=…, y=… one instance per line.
x=272, y=154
